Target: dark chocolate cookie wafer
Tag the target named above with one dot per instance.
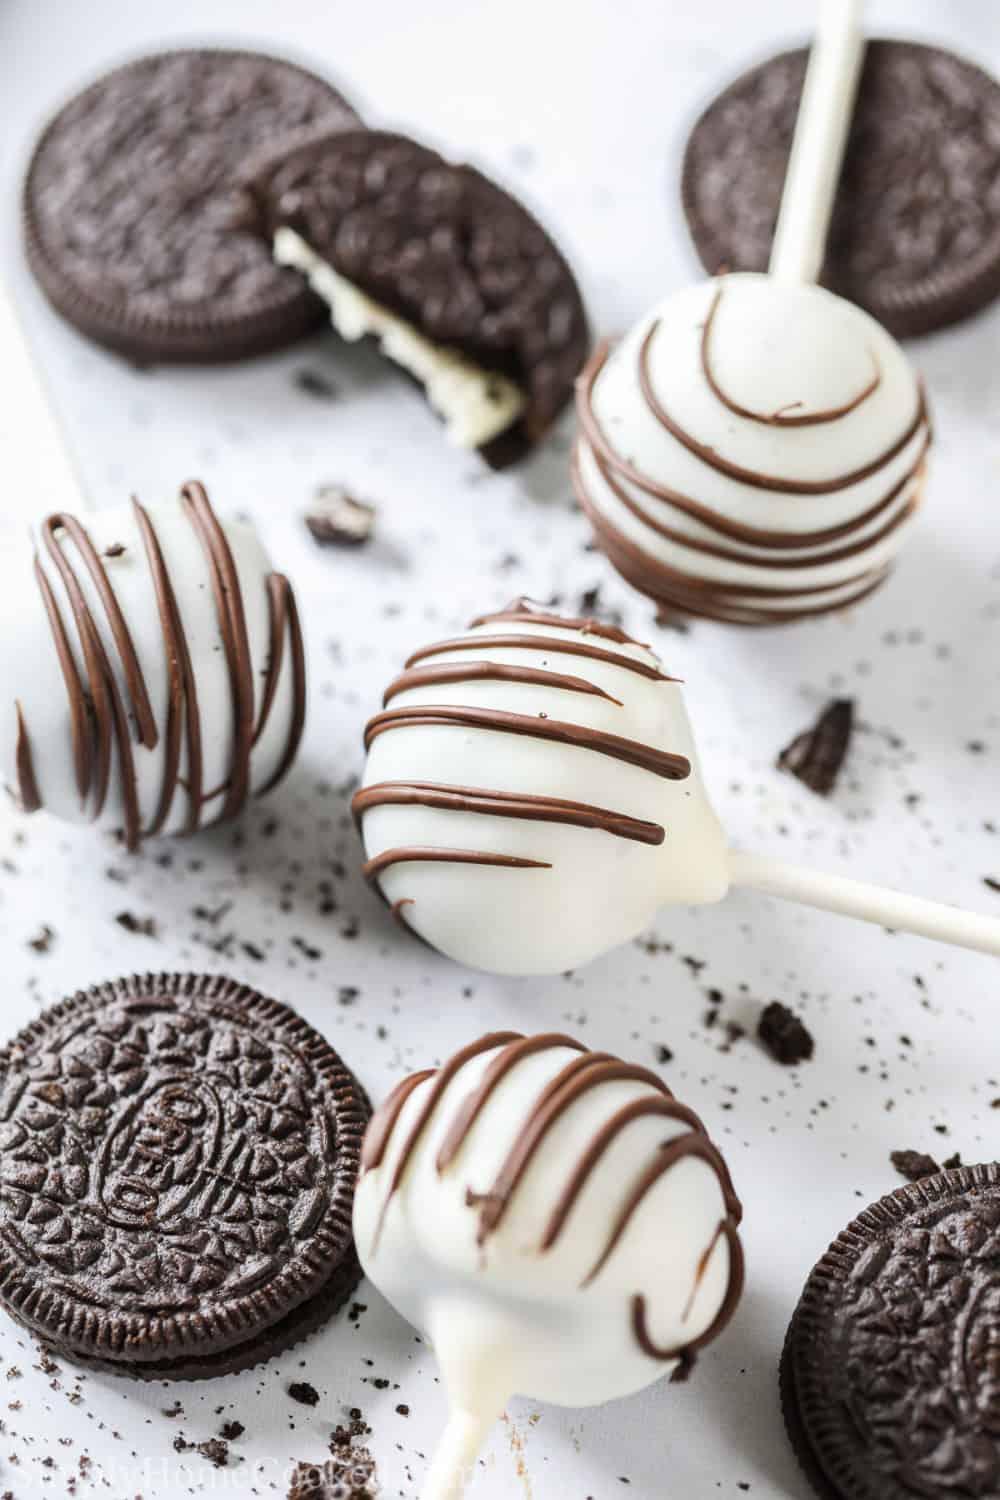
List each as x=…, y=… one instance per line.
x=440, y=247
x=890, y=1376
x=128, y=201
x=177, y=1165
x=915, y=236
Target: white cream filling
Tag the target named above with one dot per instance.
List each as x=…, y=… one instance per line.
x=476, y=405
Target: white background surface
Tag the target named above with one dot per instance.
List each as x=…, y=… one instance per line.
x=583, y=108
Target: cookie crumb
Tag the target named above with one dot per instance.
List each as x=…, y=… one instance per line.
x=816, y=755
x=338, y=519
x=784, y=1035
x=914, y=1165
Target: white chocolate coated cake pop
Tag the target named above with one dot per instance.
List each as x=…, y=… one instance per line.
x=531, y=795
x=152, y=665
x=753, y=451
x=556, y=1223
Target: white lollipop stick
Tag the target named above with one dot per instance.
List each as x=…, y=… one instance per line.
x=40, y=476
x=870, y=903
x=818, y=145
x=456, y=1454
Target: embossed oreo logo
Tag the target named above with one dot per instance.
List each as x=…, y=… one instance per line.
x=163, y=1162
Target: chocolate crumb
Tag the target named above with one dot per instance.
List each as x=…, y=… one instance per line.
x=115, y=550
x=663, y=1053
x=913, y=1165
x=402, y=1410
x=784, y=1035
x=215, y=1450
x=302, y=1391
x=816, y=755
x=991, y=882
x=231, y=1430
x=338, y=519
x=141, y=926
x=315, y=384
x=43, y=942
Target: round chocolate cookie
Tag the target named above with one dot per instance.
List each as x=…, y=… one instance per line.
x=177, y=1165
x=443, y=249
x=128, y=197
x=890, y=1377
x=915, y=236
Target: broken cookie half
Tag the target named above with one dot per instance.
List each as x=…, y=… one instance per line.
x=457, y=281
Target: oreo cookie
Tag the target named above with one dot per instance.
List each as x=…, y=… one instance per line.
x=459, y=282
x=127, y=206
x=890, y=1377
x=915, y=235
x=178, y=1157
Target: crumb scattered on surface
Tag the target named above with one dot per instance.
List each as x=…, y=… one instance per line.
x=784, y=1035
x=303, y=1392
x=338, y=519
x=913, y=1165
x=816, y=755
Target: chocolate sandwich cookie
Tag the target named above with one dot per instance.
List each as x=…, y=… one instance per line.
x=891, y=1369
x=915, y=235
x=128, y=200
x=460, y=284
x=178, y=1157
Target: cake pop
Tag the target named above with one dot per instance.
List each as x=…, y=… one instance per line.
x=754, y=450
x=556, y=1223
x=532, y=797
x=153, y=668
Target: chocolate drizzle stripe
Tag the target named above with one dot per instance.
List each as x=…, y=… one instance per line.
x=521, y=612
x=232, y=626
x=494, y=1075
x=699, y=1275
x=660, y=762
x=417, y=854
x=755, y=477
x=79, y=722
x=734, y=1290
x=442, y=1079
x=779, y=541
x=637, y=1109
x=608, y=459
x=543, y=644
x=731, y=604
x=693, y=1143
x=787, y=416
x=182, y=699
x=488, y=671
x=284, y=616
x=383, y=1123
x=99, y=723
x=588, y=1073
x=134, y=681
x=27, y=785
x=504, y=805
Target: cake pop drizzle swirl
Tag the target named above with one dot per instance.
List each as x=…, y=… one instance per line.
x=586, y=1072
x=421, y=672
x=98, y=720
x=784, y=416
x=625, y=486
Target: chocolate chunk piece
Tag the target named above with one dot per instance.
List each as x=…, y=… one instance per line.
x=913, y=1165
x=460, y=283
x=304, y=1393
x=784, y=1035
x=915, y=236
x=338, y=519
x=816, y=755
x=177, y=1166
x=888, y=1376
x=128, y=202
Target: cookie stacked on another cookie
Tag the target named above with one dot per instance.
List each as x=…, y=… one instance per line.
x=178, y=1157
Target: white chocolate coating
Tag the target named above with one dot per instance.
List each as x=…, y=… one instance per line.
x=644, y=1267
x=40, y=721
x=476, y=405
x=582, y=887
x=828, y=441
